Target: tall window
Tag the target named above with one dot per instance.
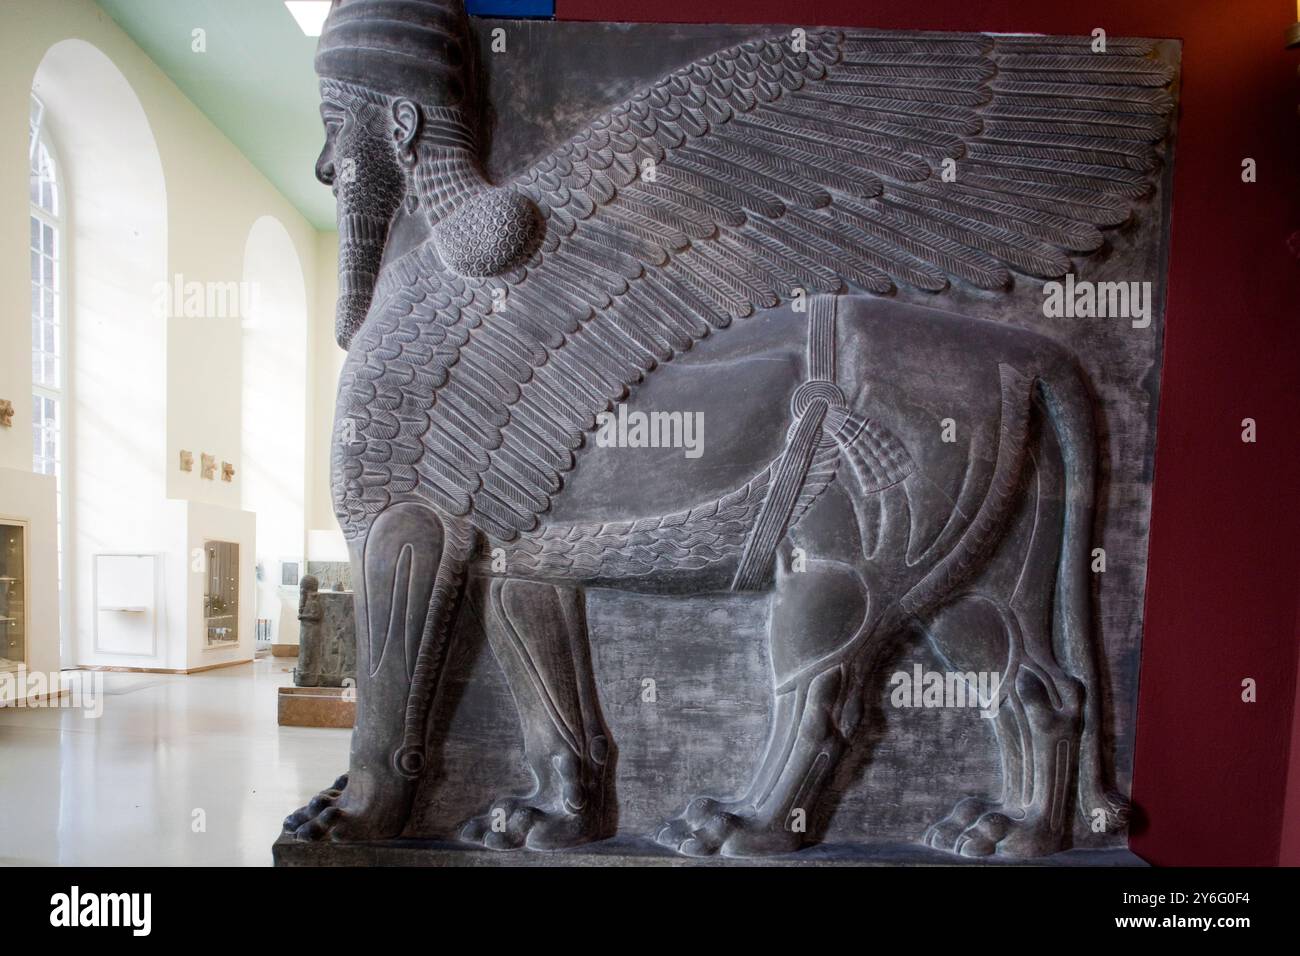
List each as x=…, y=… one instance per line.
x=48, y=329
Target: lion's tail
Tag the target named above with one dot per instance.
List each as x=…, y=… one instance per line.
x=1069, y=409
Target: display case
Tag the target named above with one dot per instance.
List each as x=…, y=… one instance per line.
x=13, y=595
x=221, y=594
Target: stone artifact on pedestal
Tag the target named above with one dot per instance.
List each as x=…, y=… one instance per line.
x=324, y=694
x=326, y=637
x=912, y=283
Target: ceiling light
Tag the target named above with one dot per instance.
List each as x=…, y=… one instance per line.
x=310, y=14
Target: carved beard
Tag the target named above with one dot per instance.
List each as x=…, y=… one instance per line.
x=370, y=190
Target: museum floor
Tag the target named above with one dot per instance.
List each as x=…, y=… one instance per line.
x=126, y=788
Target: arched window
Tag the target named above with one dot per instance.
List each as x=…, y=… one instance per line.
x=48, y=331
x=107, y=211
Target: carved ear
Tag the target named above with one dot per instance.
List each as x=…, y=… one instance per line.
x=407, y=117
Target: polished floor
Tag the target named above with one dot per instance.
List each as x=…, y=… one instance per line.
x=177, y=771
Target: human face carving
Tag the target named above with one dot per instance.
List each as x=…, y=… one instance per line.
x=359, y=163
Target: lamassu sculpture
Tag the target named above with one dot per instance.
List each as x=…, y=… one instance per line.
x=886, y=472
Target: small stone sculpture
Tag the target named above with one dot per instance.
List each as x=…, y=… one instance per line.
x=207, y=466
x=326, y=637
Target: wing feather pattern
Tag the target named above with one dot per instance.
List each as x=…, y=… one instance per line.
x=722, y=189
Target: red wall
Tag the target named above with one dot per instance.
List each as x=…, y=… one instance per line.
x=1211, y=771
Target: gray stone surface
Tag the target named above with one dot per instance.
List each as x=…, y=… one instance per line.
x=927, y=493
x=332, y=575
x=630, y=851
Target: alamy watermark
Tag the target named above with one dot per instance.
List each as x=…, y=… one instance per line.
x=1082, y=299
x=624, y=429
x=80, y=690
x=205, y=300
x=922, y=688
x=75, y=908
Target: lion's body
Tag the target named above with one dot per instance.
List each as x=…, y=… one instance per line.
x=965, y=548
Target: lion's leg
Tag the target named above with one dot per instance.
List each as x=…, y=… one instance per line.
x=969, y=636
x=1037, y=723
x=816, y=613
x=408, y=582
x=538, y=633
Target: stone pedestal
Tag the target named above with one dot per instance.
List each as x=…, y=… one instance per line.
x=316, y=707
x=636, y=851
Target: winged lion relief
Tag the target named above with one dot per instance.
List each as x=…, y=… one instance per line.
x=783, y=237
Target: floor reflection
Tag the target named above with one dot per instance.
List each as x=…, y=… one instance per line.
x=177, y=771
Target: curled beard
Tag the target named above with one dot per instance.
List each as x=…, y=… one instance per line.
x=367, y=201
x=361, y=248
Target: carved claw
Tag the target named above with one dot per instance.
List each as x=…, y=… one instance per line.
x=319, y=815
x=982, y=837
x=945, y=834
x=515, y=822
x=982, y=828
x=681, y=837
x=710, y=827
x=343, y=815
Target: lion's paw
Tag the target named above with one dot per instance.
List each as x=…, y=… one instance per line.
x=981, y=828
x=515, y=822
x=710, y=827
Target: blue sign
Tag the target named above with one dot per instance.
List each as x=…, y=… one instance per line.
x=510, y=8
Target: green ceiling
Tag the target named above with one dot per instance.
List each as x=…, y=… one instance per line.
x=255, y=82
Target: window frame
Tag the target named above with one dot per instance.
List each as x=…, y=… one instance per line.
x=57, y=221
x=42, y=147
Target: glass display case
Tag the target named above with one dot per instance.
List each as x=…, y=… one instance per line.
x=13, y=595
x=221, y=593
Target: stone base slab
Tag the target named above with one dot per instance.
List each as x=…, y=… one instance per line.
x=638, y=851
x=316, y=707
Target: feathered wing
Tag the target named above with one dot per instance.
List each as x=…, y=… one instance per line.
x=725, y=187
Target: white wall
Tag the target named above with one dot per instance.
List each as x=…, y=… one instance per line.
x=275, y=420
x=326, y=541
x=158, y=385
x=214, y=196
